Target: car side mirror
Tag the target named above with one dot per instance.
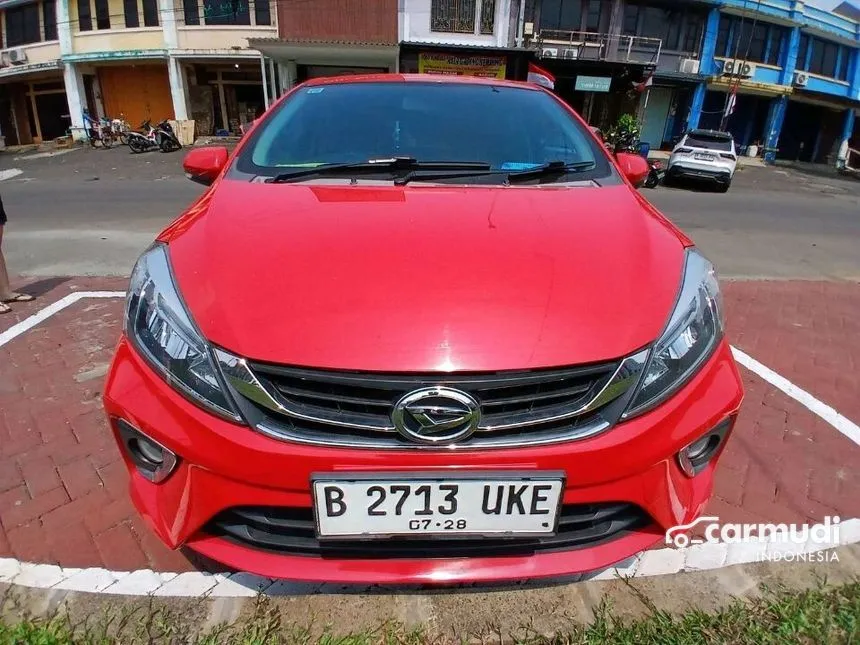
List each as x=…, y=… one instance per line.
x=634, y=167
x=203, y=165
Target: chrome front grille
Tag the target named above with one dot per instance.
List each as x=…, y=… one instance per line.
x=354, y=408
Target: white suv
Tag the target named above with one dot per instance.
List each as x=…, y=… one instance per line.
x=705, y=154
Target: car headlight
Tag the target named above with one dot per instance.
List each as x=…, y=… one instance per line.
x=162, y=331
x=690, y=337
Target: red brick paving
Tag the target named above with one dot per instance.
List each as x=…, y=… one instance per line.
x=808, y=332
x=63, y=492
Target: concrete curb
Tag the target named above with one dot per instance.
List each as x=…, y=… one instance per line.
x=505, y=613
x=657, y=562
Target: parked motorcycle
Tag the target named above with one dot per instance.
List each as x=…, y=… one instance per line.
x=159, y=137
x=656, y=174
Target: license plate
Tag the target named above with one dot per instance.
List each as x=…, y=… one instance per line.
x=482, y=505
x=703, y=157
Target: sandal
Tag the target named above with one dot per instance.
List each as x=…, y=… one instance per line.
x=19, y=297
x=5, y=309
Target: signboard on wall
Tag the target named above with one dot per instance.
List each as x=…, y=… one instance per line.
x=457, y=65
x=593, y=83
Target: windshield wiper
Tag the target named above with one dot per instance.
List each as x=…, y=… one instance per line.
x=377, y=165
x=549, y=169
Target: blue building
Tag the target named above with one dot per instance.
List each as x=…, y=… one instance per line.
x=795, y=70
x=779, y=74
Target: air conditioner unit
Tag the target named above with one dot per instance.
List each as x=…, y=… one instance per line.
x=549, y=52
x=801, y=79
x=17, y=56
x=748, y=69
x=689, y=66
x=571, y=53
x=728, y=67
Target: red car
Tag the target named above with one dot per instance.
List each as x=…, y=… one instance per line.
x=420, y=329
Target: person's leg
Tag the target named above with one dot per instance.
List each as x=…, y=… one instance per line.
x=4, y=277
x=6, y=293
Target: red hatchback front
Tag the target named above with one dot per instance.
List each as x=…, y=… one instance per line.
x=420, y=330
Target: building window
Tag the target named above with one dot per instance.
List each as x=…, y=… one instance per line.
x=631, y=20
x=592, y=17
x=102, y=14
x=85, y=20
x=693, y=24
x=723, y=33
x=150, y=13
x=22, y=25
x=191, y=11
x=226, y=12
x=802, y=51
x=132, y=18
x=561, y=15
x=488, y=16
x=454, y=16
x=672, y=31
x=678, y=29
x=774, y=51
x=741, y=38
x=842, y=75
x=823, y=59
x=463, y=16
x=49, y=19
x=757, y=44
x=263, y=16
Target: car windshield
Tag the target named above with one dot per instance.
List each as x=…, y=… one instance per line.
x=709, y=141
x=508, y=129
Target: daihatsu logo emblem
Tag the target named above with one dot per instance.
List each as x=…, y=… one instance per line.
x=436, y=415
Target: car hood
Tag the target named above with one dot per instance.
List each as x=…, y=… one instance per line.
x=426, y=278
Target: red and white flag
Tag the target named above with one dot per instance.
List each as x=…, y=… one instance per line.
x=540, y=77
x=648, y=82
x=730, y=103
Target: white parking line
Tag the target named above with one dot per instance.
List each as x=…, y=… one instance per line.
x=655, y=562
x=9, y=173
x=43, y=314
x=819, y=408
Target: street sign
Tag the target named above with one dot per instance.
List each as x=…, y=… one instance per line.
x=593, y=83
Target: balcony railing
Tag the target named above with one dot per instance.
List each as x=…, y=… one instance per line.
x=593, y=46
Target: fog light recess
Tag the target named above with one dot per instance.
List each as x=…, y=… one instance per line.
x=696, y=456
x=153, y=461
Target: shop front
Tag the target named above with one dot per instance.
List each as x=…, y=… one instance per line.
x=599, y=91
x=224, y=96
x=746, y=109
x=295, y=61
x=478, y=61
x=812, y=130
x=139, y=92
x=33, y=105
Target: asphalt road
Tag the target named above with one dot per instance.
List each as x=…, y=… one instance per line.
x=91, y=212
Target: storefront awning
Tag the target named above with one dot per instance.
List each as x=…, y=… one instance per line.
x=724, y=84
x=319, y=52
x=32, y=68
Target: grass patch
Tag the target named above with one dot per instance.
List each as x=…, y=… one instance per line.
x=824, y=615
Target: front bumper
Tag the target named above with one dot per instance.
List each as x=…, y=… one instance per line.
x=224, y=465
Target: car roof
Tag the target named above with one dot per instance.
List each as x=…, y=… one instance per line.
x=419, y=78
x=716, y=134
